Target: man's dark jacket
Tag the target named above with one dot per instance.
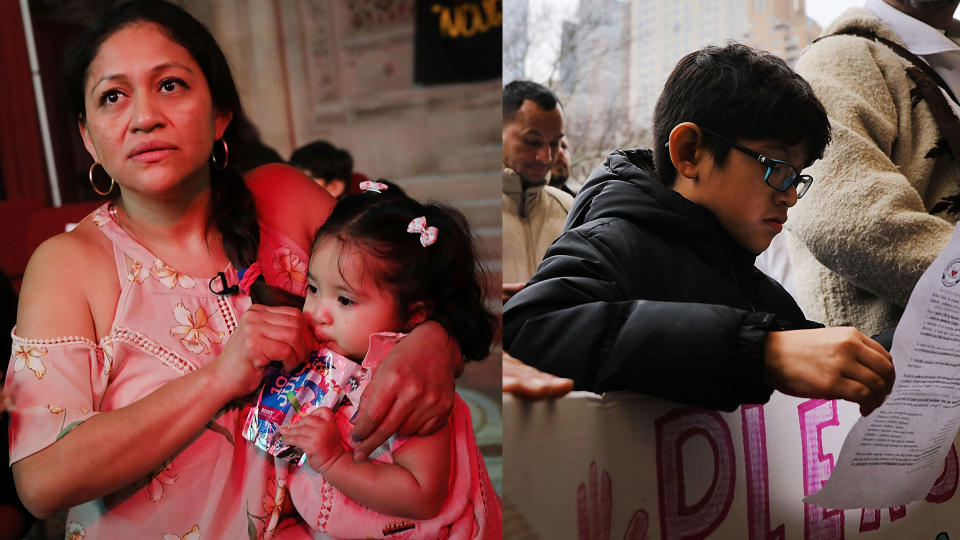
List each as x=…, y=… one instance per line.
x=645, y=291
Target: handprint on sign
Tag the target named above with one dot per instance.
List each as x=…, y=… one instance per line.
x=594, y=505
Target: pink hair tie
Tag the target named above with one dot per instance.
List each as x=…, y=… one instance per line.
x=370, y=185
x=248, y=276
x=428, y=235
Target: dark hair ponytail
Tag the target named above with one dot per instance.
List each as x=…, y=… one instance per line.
x=446, y=274
x=233, y=211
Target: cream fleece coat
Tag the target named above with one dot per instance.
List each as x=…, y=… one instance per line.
x=863, y=234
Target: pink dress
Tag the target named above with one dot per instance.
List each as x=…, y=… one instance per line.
x=471, y=510
x=167, y=324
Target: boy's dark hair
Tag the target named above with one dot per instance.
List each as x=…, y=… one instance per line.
x=233, y=210
x=446, y=274
x=323, y=160
x=515, y=93
x=739, y=92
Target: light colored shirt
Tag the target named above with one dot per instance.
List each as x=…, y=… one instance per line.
x=939, y=48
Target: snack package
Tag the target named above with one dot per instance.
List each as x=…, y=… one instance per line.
x=285, y=398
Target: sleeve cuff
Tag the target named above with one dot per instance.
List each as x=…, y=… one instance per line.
x=751, y=340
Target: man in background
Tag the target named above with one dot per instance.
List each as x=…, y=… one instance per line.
x=533, y=212
x=560, y=173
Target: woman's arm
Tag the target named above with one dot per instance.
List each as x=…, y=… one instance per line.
x=412, y=390
x=414, y=486
x=289, y=202
x=115, y=448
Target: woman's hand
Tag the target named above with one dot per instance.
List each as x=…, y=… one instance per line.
x=411, y=393
x=316, y=434
x=265, y=334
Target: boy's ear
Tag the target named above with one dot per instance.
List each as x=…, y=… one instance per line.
x=686, y=149
x=417, y=312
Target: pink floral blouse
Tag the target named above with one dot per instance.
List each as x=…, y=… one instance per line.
x=167, y=324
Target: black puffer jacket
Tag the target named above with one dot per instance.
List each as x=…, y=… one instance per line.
x=646, y=292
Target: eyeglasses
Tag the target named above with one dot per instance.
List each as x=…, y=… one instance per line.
x=780, y=175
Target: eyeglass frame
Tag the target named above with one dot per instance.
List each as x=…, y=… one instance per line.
x=769, y=163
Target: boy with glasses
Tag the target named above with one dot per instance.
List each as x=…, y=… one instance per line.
x=652, y=287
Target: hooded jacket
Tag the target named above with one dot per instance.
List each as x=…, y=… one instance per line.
x=645, y=291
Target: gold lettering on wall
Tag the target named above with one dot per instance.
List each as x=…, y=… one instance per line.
x=468, y=18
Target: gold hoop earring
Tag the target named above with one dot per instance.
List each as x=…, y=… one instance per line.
x=226, y=154
x=94, y=185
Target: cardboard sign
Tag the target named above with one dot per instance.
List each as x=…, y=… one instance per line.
x=628, y=466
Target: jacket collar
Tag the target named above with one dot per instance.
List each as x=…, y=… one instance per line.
x=514, y=190
x=917, y=36
x=625, y=187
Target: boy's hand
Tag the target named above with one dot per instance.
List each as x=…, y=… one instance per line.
x=316, y=434
x=829, y=363
x=510, y=289
x=529, y=382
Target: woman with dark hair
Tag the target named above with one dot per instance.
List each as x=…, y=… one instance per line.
x=128, y=358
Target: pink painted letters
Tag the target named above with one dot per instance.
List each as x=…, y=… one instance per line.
x=677, y=519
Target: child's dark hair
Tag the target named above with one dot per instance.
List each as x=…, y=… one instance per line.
x=445, y=274
x=323, y=160
x=739, y=92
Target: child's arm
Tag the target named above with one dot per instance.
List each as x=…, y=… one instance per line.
x=414, y=486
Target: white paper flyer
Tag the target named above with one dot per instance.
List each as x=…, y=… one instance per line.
x=893, y=456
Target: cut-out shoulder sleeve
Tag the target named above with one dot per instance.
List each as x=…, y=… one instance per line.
x=56, y=384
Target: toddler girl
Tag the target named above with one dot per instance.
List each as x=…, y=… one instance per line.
x=380, y=265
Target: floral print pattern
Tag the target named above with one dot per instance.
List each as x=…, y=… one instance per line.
x=169, y=276
x=163, y=318
x=273, y=504
x=28, y=356
x=137, y=273
x=290, y=265
x=107, y=347
x=100, y=219
x=161, y=477
x=192, y=534
x=75, y=531
x=194, y=334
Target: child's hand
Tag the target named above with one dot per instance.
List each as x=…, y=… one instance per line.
x=316, y=434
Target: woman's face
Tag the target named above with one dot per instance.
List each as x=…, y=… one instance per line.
x=150, y=119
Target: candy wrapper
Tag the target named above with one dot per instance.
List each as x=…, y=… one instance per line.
x=285, y=398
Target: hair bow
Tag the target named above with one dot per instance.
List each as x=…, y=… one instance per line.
x=428, y=235
x=370, y=185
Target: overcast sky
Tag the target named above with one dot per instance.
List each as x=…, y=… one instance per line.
x=822, y=11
